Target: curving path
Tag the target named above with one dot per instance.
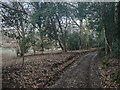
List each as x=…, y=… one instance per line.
x=83, y=73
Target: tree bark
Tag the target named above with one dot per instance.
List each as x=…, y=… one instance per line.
x=105, y=30
x=62, y=46
x=23, y=58
x=62, y=43
x=80, y=27
x=107, y=47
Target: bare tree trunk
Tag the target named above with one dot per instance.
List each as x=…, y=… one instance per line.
x=34, y=51
x=80, y=28
x=23, y=42
x=81, y=35
x=23, y=59
x=62, y=47
x=62, y=43
x=64, y=50
x=107, y=46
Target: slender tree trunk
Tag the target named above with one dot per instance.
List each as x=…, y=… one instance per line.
x=64, y=45
x=22, y=53
x=107, y=48
x=81, y=44
x=64, y=49
x=80, y=28
x=105, y=30
x=81, y=35
x=23, y=42
x=34, y=51
x=23, y=58
x=61, y=45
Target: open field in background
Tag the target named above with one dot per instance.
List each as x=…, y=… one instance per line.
x=60, y=44
x=9, y=55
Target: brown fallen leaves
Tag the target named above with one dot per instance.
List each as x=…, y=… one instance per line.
x=38, y=71
x=106, y=73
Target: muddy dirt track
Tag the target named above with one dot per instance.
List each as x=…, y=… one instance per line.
x=83, y=73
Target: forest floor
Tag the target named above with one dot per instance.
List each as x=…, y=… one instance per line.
x=109, y=72
x=38, y=71
x=57, y=70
